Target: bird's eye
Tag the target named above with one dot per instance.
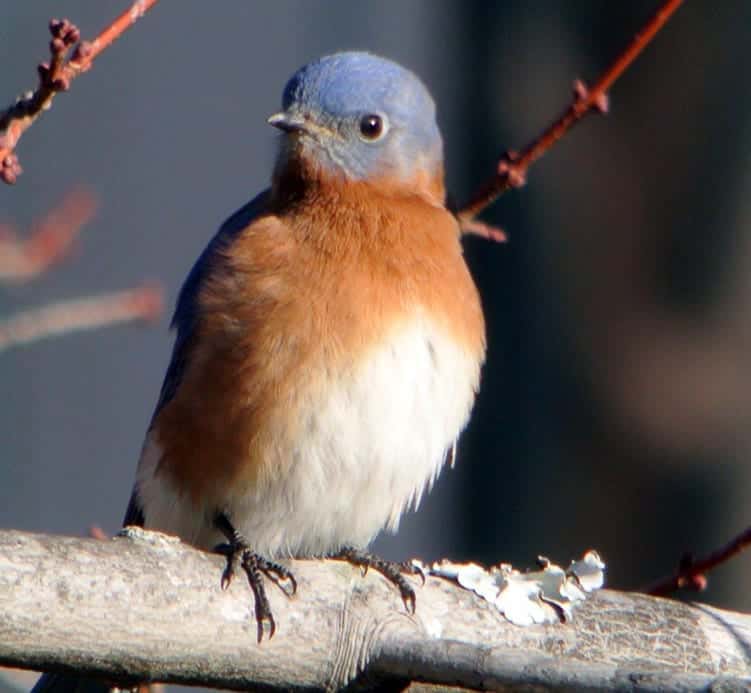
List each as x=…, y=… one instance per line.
x=371, y=127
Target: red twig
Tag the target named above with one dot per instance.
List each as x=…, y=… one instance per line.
x=143, y=303
x=96, y=532
x=56, y=76
x=512, y=168
x=475, y=227
x=49, y=241
x=691, y=573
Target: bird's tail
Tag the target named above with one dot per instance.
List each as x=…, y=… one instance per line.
x=69, y=683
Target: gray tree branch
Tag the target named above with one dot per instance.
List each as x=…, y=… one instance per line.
x=145, y=607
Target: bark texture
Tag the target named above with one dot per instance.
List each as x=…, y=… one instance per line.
x=146, y=607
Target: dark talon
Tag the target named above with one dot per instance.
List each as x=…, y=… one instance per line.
x=391, y=570
x=412, y=569
x=228, y=574
x=230, y=554
x=252, y=565
x=255, y=567
x=277, y=573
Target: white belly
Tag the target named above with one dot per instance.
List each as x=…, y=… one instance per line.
x=369, y=447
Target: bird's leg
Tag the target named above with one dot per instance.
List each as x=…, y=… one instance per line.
x=237, y=550
x=391, y=570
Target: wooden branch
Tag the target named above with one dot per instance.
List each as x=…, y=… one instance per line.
x=54, y=319
x=691, y=572
x=512, y=168
x=147, y=607
x=56, y=76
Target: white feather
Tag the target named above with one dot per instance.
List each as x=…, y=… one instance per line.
x=368, y=450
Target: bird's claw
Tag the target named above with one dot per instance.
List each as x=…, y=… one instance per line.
x=392, y=571
x=414, y=569
x=255, y=568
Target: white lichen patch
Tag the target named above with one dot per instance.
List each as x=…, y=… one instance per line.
x=590, y=571
x=148, y=536
x=547, y=595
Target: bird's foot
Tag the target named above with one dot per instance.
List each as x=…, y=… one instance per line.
x=238, y=552
x=394, y=572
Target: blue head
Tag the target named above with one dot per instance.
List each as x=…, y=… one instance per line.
x=358, y=116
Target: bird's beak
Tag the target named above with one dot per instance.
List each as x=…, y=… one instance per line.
x=288, y=122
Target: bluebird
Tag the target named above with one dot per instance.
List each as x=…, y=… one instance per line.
x=329, y=340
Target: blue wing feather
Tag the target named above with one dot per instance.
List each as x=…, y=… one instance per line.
x=186, y=314
x=184, y=319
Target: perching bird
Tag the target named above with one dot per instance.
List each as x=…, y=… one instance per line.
x=329, y=339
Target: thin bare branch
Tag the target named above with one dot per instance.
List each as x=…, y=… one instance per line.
x=475, y=227
x=22, y=259
x=512, y=168
x=691, y=572
x=144, y=303
x=56, y=76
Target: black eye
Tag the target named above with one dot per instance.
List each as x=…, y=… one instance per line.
x=371, y=126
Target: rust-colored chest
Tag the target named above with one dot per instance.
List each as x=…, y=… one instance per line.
x=299, y=295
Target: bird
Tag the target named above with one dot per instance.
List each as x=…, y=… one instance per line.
x=329, y=339
x=329, y=343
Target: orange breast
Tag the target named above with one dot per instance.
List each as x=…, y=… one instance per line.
x=310, y=288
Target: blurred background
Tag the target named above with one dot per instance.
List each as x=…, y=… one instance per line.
x=615, y=410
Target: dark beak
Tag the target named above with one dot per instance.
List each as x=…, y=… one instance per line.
x=287, y=122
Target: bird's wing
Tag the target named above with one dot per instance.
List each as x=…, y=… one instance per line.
x=184, y=318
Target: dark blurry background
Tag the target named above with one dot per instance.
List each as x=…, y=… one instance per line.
x=615, y=410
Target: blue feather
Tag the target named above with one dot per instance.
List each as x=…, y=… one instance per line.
x=337, y=91
x=186, y=313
